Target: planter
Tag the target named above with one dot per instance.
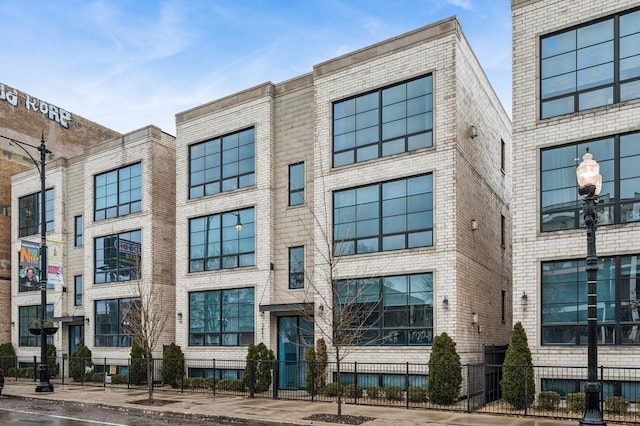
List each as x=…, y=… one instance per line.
x=47, y=330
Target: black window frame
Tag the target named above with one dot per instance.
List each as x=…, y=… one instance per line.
x=119, y=335
x=126, y=257
x=26, y=317
x=368, y=121
x=218, y=315
x=29, y=213
x=211, y=166
x=296, y=267
x=126, y=187
x=78, y=290
x=296, y=189
x=572, y=97
x=78, y=231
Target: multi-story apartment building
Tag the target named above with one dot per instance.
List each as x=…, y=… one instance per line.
x=576, y=86
x=378, y=184
x=26, y=118
x=110, y=230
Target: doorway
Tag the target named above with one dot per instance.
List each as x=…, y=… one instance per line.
x=295, y=334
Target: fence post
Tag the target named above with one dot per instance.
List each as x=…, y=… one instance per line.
x=82, y=368
x=276, y=378
x=406, y=385
x=35, y=368
x=153, y=367
x=601, y=388
x=128, y=373
x=252, y=377
x=215, y=377
x=313, y=383
x=64, y=358
x=355, y=382
x=15, y=359
x=104, y=373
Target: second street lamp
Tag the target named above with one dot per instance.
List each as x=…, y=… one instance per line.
x=589, y=185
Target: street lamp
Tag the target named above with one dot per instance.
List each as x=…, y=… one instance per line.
x=590, y=183
x=44, y=385
x=238, y=223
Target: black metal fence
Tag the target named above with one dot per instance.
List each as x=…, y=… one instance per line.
x=557, y=391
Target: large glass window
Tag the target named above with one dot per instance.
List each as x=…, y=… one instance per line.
x=118, y=257
x=296, y=267
x=110, y=328
x=591, y=65
x=564, y=301
x=221, y=317
x=385, y=216
x=118, y=192
x=395, y=310
x=296, y=184
x=217, y=242
x=78, y=231
x=26, y=317
x=29, y=213
x=222, y=164
x=389, y=121
x=619, y=159
x=78, y=290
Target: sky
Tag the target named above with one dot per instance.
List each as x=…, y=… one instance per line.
x=126, y=64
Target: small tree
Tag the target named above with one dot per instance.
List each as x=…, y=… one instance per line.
x=172, y=365
x=316, y=358
x=137, y=370
x=445, y=371
x=7, y=356
x=80, y=359
x=52, y=360
x=260, y=358
x=518, y=386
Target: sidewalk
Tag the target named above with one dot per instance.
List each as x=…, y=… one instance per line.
x=265, y=411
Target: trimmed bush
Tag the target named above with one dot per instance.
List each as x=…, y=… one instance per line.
x=53, y=366
x=331, y=389
x=353, y=391
x=316, y=358
x=172, y=366
x=393, y=393
x=118, y=379
x=260, y=358
x=375, y=392
x=7, y=356
x=445, y=371
x=518, y=385
x=417, y=394
x=616, y=404
x=79, y=361
x=548, y=400
x=138, y=367
x=576, y=402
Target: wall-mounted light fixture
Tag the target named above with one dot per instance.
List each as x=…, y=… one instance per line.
x=180, y=316
x=445, y=303
x=474, y=318
x=524, y=299
x=87, y=320
x=13, y=324
x=474, y=224
x=473, y=131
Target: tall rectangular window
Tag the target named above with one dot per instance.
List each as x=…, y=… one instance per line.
x=296, y=184
x=78, y=231
x=296, y=267
x=222, y=164
x=619, y=159
x=396, y=310
x=118, y=257
x=222, y=317
x=26, y=317
x=590, y=65
x=503, y=231
x=385, y=122
x=564, y=301
x=218, y=242
x=386, y=216
x=29, y=213
x=118, y=192
x=503, y=156
x=77, y=290
x=110, y=327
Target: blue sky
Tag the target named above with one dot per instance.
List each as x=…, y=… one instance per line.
x=129, y=63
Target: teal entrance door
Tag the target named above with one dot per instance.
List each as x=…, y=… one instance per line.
x=295, y=334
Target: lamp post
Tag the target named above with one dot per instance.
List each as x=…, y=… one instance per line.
x=44, y=385
x=589, y=185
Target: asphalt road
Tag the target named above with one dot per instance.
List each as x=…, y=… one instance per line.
x=28, y=411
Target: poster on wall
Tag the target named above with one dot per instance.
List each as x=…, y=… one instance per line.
x=54, y=263
x=29, y=266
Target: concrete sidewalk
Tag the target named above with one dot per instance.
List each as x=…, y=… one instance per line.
x=264, y=411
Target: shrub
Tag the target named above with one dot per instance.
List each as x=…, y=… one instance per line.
x=197, y=383
x=445, y=371
x=353, y=391
x=616, y=404
x=331, y=389
x=375, y=392
x=316, y=358
x=548, y=400
x=518, y=386
x=231, y=385
x=393, y=393
x=260, y=359
x=172, y=365
x=138, y=367
x=7, y=356
x=53, y=366
x=78, y=362
x=119, y=379
x=576, y=402
x=417, y=394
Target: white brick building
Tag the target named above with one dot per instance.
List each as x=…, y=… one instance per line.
x=398, y=156
x=576, y=85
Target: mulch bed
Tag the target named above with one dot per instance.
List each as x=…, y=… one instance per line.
x=343, y=419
